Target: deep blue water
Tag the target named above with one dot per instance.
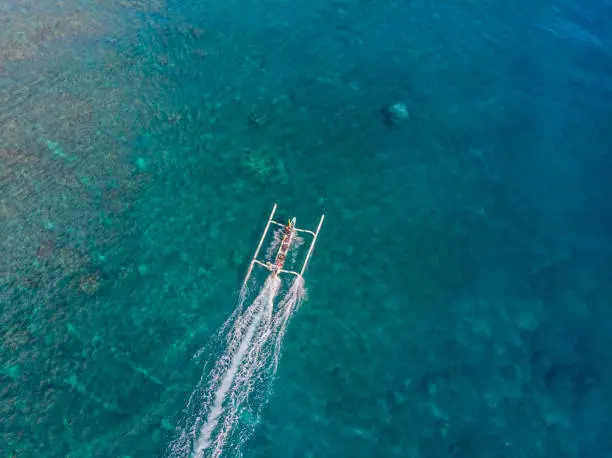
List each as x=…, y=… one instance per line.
x=459, y=297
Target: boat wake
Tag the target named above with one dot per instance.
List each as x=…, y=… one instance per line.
x=227, y=403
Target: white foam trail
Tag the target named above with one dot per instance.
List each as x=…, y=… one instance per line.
x=217, y=409
x=240, y=382
x=260, y=309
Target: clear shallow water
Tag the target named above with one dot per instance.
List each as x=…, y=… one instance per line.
x=458, y=296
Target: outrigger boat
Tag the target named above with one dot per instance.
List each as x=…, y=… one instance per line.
x=289, y=232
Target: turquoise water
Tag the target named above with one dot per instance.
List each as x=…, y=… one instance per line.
x=458, y=297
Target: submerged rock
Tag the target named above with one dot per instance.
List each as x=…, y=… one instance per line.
x=396, y=114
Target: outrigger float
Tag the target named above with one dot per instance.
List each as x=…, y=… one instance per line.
x=289, y=232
